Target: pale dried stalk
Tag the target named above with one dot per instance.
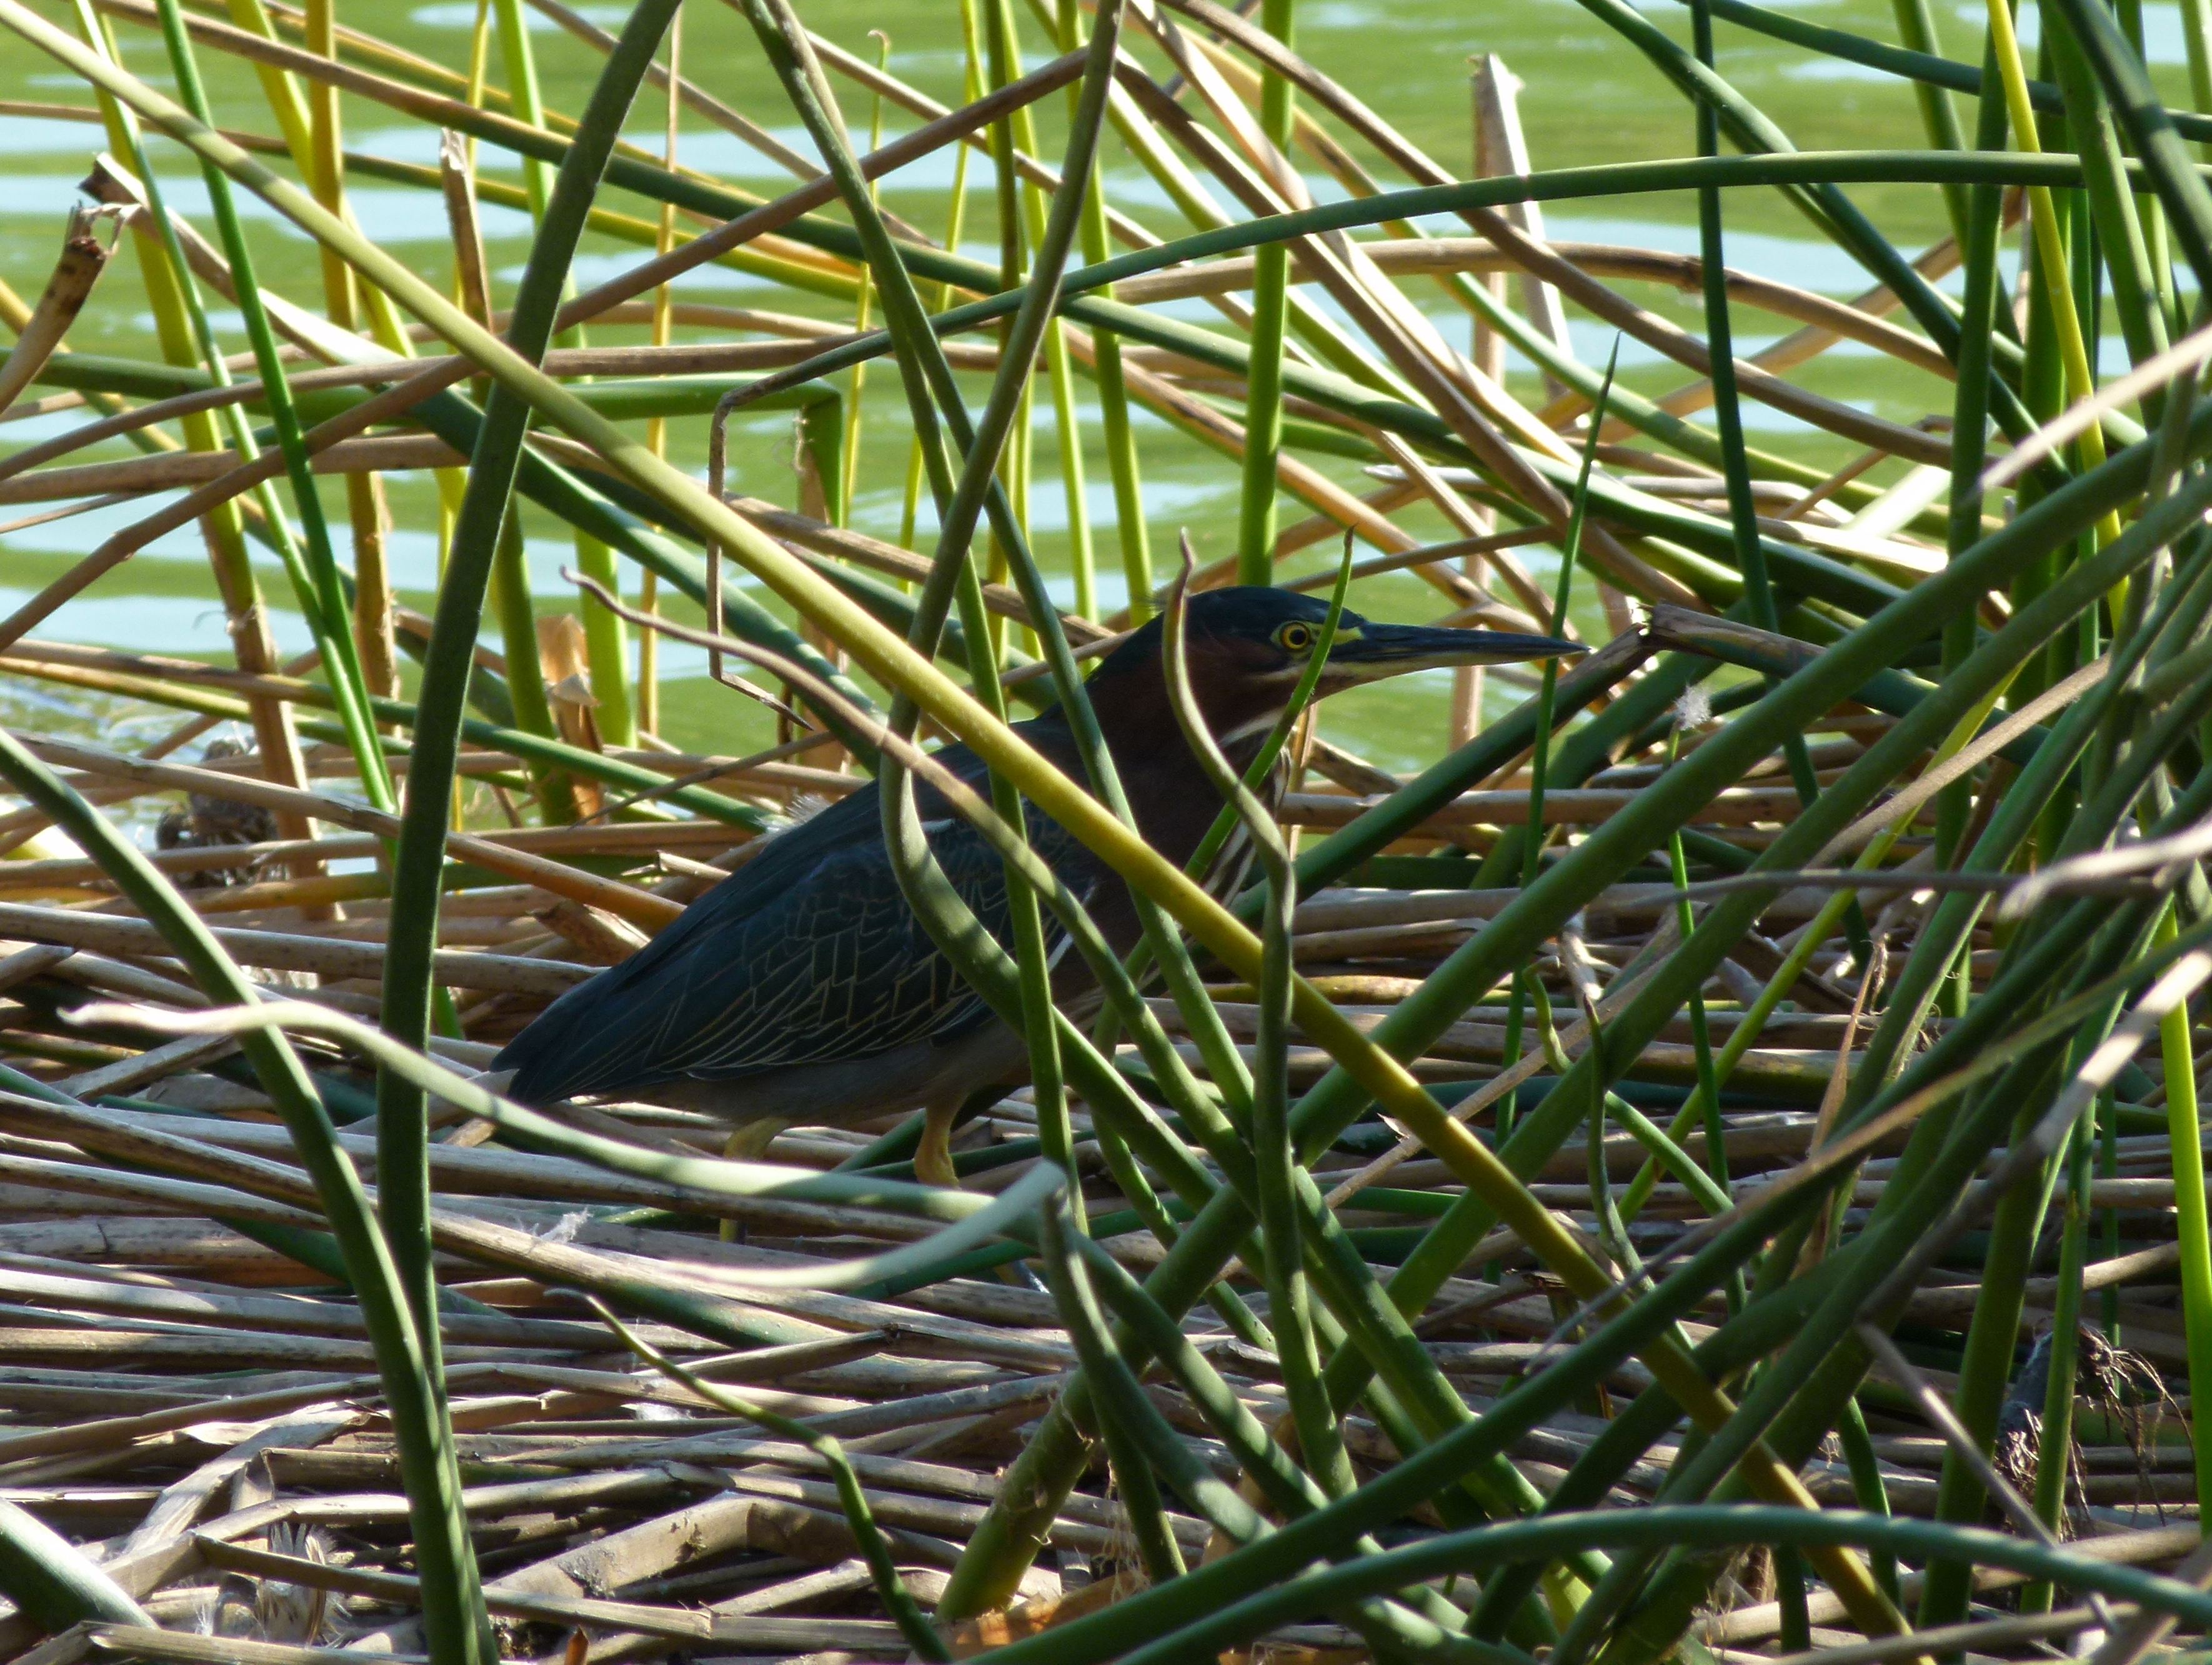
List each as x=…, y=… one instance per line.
x=83, y=259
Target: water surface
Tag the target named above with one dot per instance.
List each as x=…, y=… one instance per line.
x=1587, y=98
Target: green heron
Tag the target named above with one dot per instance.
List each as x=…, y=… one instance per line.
x=801, y=989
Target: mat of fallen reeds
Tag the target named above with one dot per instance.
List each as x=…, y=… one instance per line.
x=1710, y=1168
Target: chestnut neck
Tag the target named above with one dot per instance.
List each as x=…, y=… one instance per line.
x=1174, y=800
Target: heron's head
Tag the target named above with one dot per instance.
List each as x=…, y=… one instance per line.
x=1247, y=647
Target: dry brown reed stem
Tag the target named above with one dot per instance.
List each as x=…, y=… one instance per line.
x=1938, y=260
x=310, y=334
x=437, y=110
x=1472, y=526
x=427, y=381
x=634, y=838
x=457, y=185
x=1751, y=1625
x=693, y=96
x=289, y=952
x=722, y=115
x=140, y=475
x=1962, y=1443
x=234, y=483
x=47, y=517
x=637, y=905
x=819, y=191
x=1456, y=548
x=252, y=644
x=1734, y=806
x=649, y=275
x=1441, y=378
x=1028, y=167
x=1755, y=381
x=633, y=1619
x=1910, y=797
x=632, y=1470
x=804, y=532
x=479, y=1240
x=488, y=1171
x=1542, y=260
x=684, y=359
x=1406, y=336
x=1474, y=254
x=1517, y=1071
x=1301, y=480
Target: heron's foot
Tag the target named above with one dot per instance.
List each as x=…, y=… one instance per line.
x=932, y=1159
x=749, y=1144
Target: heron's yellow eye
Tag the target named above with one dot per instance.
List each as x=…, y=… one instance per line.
x=1295, y=638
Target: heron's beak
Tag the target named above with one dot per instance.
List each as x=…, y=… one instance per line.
x=1373, y=652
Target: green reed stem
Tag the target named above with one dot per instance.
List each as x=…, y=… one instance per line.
x=1271, y=285
x=1916, y=27
x=1208, y=1031
x=1011, y=457
x=1116, y=433
x=1823, y=202
x=1073, y=1263
x=2152, y=132
x=1320, y=1441
x=1727, y=411
x=883, y=653
x=2054, y=1453
x=1872, y=1493
x=1984, y=1369
x=1635, y=1025
x=1611, y=848
x=2189, y=1207
x=849, y=461
x=2112, y=207
x=511, y=606
x=1122, y=1114
x=488, y=515
x=1329, y=343
x=453, y=1603
x=1287, y=1487
x=313, y=573
x=921, y=881
x=1918, y=63
x=955, y=219
x=1794, y=1400
x=1422, y=1474
x=1058, y=371
x=1843, y=1283
x=979, y=489
x=1032, y=952
x=1701, y=1041
x=606, y=654
x=1539, y=756
x=891, y=1589
x=1127, y=1450
x=52, y=1582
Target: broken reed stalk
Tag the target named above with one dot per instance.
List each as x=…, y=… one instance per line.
x=84, y=257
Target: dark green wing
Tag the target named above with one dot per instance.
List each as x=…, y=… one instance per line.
x=808, y=954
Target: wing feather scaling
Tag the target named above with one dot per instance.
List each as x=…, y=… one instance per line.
x=808, y=954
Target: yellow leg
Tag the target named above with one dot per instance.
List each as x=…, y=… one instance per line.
x=749, y=1144
x=933, y=1161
